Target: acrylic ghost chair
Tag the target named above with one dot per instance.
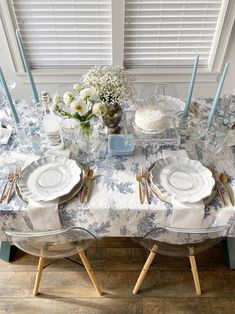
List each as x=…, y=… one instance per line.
x=177, y=242
x=55, y=244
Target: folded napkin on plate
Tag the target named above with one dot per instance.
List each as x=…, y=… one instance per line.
x=44, y=215
x=185, y=215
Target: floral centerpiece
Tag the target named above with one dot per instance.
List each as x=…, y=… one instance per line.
x=82, y=105
x=102, y=90
x=113, y=86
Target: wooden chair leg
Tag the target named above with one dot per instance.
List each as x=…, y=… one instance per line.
x=145, y=269
x=41, y=264
x=195, y=274
x=90, y=272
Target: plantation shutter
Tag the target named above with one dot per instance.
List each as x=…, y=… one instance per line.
x=65, y=34
x=169, y=32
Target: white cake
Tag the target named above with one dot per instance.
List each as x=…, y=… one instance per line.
x=150, y=119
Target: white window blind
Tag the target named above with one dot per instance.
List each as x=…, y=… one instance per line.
x=65, y=34
x=169, y=33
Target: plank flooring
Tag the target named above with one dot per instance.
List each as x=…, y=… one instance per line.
x=168, y=287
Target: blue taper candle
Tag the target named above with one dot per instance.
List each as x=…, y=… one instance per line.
x=27, y=67
x=9, y=99
x=217, y=95
x=190, y=91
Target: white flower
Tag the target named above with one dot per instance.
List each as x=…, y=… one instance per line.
x=77, y=88
x=112, y=84
x=99, y=109
x=79, y=107
x=56, y=99
x=68, y=98
x=86, y=93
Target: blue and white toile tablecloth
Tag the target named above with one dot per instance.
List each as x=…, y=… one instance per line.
x=114, y=208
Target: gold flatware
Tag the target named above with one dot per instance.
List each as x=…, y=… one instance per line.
x=10, y=177
x=146, y=187
x=141, y=193
x=90, y=178
x=12, y=185
x=223, y=179
x=84, y=188
x=217, y=185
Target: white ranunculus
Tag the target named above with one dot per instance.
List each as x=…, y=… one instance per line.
x=77, y=88
x=68, y=98
x=86, y=93
x=79, y=107
x=99, y=109
x=56, y=99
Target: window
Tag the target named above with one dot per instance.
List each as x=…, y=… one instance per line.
x=169, y=33
x=65, y=34
x=146, y=36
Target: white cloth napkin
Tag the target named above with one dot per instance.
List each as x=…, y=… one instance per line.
x=4, y=135
x=44, y=215
x=185, y=215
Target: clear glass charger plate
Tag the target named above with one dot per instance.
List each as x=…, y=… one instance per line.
x=181, y=178
x=167, y=136
x=49, y=178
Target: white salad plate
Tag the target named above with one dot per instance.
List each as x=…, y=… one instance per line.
x=63, y=199
x=49, y=178
x=181, y=178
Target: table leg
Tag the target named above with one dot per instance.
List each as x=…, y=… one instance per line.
x=230, y=252
x=7, y=251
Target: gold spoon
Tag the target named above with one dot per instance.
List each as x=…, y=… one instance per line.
x=224, y=180
x=217, y=185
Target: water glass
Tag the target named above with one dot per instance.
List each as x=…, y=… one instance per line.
x=214, y=140
x=70, y=133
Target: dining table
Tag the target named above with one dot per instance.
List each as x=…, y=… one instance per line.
x=114, y=209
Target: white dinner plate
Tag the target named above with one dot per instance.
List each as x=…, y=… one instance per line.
x=181, y=178
x=49, y=178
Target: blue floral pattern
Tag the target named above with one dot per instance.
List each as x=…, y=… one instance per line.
x=114, y=208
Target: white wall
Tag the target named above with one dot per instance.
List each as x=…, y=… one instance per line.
x=200, y=90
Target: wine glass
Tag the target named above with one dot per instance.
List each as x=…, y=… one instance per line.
x=145, y=90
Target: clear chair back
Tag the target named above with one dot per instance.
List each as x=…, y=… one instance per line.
x=182, y=242
x=52, y=244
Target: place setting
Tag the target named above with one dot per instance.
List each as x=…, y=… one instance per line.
x=45, y=184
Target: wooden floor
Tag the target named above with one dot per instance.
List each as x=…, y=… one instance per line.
x=168, y=288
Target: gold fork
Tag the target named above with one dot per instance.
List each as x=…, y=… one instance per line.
x=9, y=179
x=90, y=177
x=141, y=192
x=146, y=188
x=15, y=177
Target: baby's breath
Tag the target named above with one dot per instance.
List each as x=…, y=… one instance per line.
x=111, y=83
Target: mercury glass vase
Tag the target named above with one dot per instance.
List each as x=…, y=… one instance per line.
x=112, y=118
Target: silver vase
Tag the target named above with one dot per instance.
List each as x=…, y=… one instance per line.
x=112, y=118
